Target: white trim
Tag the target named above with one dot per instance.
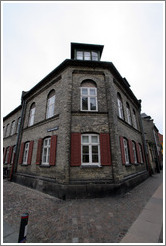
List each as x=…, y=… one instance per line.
x=90, y=144
x=88, y=97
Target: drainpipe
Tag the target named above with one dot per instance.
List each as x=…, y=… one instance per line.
x=144, y=144
x=19, y=136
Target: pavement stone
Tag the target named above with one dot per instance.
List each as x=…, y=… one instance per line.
x=97, y=220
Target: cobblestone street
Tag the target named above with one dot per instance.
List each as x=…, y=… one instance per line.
x=99, y=220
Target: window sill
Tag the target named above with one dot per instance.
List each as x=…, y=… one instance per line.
x=44, y=165
x=91, y=166
x=128, y=165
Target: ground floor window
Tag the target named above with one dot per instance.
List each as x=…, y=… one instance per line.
x=126, y=150
x=90, y=151
x=26, y=150
x=46, y=151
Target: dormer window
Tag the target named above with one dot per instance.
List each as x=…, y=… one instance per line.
x=87, y=55
x=86, y=52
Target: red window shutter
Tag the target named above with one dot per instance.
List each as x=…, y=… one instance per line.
x=39, y=151
x=131, y=151
x=53, y=150
x=21, y=153
x=30, y=152
x=4, y=156
x=138, y=153
x=10, y=154
x=75, y=149
x=105, y=151
x=122, y=150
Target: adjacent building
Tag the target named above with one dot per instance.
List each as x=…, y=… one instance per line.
x=152, y=143
x=77, y=132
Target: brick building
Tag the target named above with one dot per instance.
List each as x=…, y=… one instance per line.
x=151, y=134
x=78, y=131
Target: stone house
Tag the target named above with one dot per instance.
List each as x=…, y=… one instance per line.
x=152, y=142
x=77, y=132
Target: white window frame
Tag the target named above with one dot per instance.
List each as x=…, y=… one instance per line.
x=126, y=150
x=120, y=108
x=12, y=128
x=90, y=144
x=32, y=115
x=135, y=120
x=89, y=97
x=50, y=107
x=25, y=155
x=46, y=151
x=128, y=114
x=87, y=55
x=135, y=153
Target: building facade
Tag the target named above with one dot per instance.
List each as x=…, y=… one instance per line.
x=78, y=131
x=153, y=144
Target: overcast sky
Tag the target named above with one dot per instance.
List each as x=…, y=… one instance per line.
x=36, y=38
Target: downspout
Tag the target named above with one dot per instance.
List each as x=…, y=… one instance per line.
x=144, y=144
x=19, y=136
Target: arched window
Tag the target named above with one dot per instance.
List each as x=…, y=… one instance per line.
x=12, y=128
x=18, y=124
x=120, y=106
x=7, y=155
x=32, y=114
x=50, y=104
x=134, y=120
x=7, y=130
x=88, y=96
x=128, y=113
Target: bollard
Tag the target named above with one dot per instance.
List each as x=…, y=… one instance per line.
x=23, y=228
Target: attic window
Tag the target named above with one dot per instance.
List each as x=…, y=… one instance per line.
x=87, y=55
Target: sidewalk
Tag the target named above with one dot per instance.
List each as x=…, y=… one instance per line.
x=10, y=235
x=148, y=226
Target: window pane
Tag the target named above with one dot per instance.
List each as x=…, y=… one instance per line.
x=93, y=103
x=94, y=139
x=87, y=56
x=92, y=92
x=84, y=103
x=85, y=149
x=85, y=158
x=95, y=158
x=79, y=55
x=84, y=91
x=94, y=149
x=85, y=139
x=94, y=56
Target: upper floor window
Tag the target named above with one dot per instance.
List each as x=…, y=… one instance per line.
x=18, y=124
x=134, y=120
x=128, y=113
x=50, y=104
x=26, y=150
x=7, y=130
x=120, y=106
x=46, y=151
x=88, y=96
x=126, y=150
x=90, y=149
x=12, y=128
x=32, y=114
x=87, y=55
